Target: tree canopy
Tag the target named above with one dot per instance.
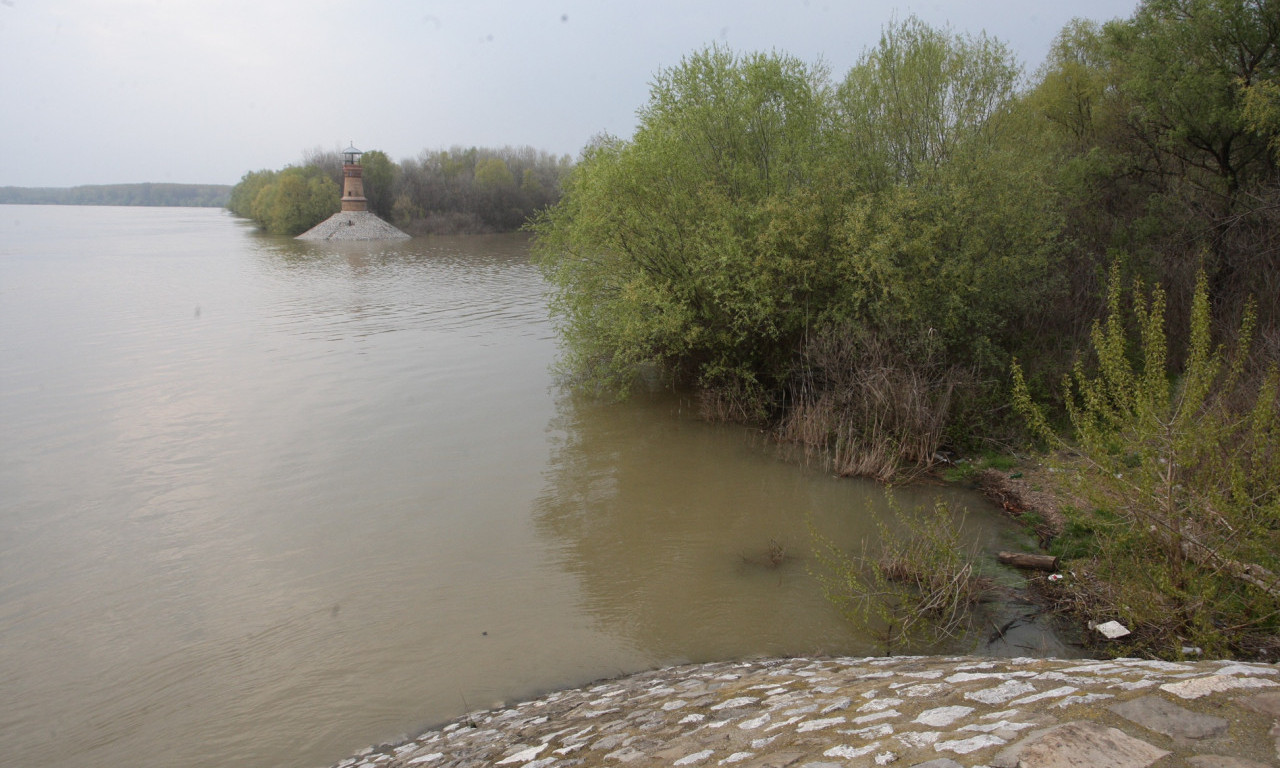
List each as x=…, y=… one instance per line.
x=287, y=202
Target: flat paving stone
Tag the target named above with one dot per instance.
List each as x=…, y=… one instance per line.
x=1163, y=716
x=1079, y=743
x=942, y=716
x=777, y=760
x=1203, y=686
x=1266, y=703
x=1224, y=761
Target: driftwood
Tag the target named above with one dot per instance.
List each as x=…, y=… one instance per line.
x=1025, y=560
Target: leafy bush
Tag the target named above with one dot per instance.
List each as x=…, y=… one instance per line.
x=760, y=212
x=924, y=213
x=287, y=202
x=1180, y=539
x=698, y=245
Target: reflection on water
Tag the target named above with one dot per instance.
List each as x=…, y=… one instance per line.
x=265, y=502
x=693, y=540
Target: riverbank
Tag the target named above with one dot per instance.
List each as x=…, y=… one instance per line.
x=909, y=711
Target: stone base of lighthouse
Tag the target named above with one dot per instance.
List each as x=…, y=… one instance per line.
x=353, y=225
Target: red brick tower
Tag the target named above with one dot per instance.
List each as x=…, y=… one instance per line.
x=352, y=185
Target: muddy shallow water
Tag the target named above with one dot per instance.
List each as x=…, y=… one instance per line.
x=266, y=502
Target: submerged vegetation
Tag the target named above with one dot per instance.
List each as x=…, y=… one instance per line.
x=460, y=190
x=917, y=588
x=857, y=264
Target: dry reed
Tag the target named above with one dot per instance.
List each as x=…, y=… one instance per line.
x=868, y=408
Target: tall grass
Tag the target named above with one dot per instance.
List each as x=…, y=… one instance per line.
x=868, y=408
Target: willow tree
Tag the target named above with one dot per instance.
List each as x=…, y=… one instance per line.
x=758, y=209
x=949, y=230
x=697, y=246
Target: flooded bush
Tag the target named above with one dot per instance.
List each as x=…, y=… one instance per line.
x=917, y=586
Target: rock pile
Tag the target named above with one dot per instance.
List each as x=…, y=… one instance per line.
x=353, y=225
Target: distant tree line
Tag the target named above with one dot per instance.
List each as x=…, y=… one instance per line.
x=459, y=190
x=178, y=195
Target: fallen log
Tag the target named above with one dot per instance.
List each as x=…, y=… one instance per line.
x=1027, y=560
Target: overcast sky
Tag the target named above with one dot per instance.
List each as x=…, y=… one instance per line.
x=115, y=91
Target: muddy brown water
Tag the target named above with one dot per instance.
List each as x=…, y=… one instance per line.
x=265, y=502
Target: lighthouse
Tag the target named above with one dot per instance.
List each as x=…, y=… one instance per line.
x=354, y=221
x=352, y=183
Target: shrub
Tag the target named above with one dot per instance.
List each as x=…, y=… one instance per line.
x=917, y=588
x=1180, y=539
x=763, y=218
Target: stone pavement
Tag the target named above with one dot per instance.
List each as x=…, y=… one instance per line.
x=921, y=712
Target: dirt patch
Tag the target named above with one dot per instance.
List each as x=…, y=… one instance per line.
x=1021, y=493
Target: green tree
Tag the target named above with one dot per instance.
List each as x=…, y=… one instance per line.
x=498, y=201
x=303, y=197
x=695, y=245
x=1073, y=80
x=919, y=98
x=492, y=174
x=439, y=191
x=286, y=202
x=379, y=177
x=1183, y=66
x=757, y=213
x=263, y=204
x=245, y=193
x=951, y=226
x=289, y=212
x=531, y=186
x=1161, y=160
x=1262, y=110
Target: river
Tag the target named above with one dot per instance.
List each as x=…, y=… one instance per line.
x=265, y=502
